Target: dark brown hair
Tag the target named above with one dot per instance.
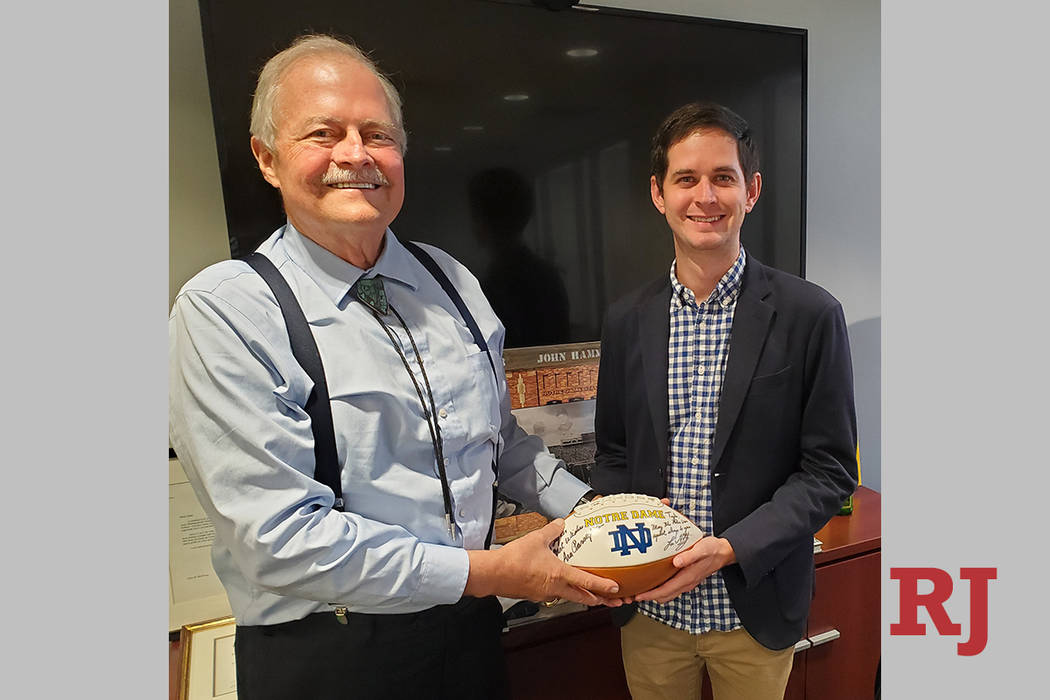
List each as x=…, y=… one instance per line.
x=701, y=116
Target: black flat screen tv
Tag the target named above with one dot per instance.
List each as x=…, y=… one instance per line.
x=529, y=132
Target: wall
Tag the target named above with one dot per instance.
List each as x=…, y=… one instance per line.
x=196, y=218
x=843, y=140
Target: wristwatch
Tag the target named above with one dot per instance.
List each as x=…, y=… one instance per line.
x=586, y=498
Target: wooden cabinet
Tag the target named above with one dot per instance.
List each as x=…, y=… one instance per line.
x=844, y=629
x=844, y=616
x=575, y=656
x=578, y=655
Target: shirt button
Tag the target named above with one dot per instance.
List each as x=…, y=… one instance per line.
x=696, y=461
x=442, y=413
x=446, y=461
x=700, y=369
x=462, y=513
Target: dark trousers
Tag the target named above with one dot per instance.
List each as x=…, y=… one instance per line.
x=448, y=651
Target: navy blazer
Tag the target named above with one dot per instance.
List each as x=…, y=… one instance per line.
x=784, y=453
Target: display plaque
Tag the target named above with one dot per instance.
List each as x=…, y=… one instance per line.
x=545, y=375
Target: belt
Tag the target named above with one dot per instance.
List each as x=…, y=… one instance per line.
x=342, y=616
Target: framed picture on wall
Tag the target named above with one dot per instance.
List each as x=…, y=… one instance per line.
x=195, y=593
x=209, y=671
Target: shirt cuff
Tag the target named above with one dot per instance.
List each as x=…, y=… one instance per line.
x=444, y=577
x=563, y=493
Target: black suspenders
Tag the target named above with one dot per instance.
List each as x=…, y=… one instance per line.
x=318, y=406
x=304, y=348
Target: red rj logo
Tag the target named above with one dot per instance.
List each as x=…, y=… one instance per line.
x=911, y=599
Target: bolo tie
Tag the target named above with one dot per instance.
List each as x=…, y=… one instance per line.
x=371, y=293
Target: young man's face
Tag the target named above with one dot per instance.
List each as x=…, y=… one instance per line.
x=337, y=155
x=704, y=196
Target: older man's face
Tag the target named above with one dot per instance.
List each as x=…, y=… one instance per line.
x=337, y=156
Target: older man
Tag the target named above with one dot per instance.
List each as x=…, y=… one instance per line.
x=379, y=585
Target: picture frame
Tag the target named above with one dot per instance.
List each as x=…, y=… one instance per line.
x=545, y=375
x=552, y=390
x=195, y=593
x=208, y=670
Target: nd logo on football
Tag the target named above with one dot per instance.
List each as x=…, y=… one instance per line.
x=625, y=539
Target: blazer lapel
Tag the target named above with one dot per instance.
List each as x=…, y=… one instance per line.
x=750, y=325
x=654, y=332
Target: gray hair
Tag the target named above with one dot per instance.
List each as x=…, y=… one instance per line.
x=268, y=87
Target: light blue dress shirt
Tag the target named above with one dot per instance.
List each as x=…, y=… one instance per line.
x=239, y=428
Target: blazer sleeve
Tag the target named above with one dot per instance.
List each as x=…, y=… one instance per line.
x=610, y=474
x=827, y=469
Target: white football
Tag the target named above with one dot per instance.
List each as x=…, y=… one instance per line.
x=628, y=537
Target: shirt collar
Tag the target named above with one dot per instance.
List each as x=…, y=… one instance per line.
x=335, y=276
x=725, y=292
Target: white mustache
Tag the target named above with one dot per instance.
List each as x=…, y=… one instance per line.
x=370, y=176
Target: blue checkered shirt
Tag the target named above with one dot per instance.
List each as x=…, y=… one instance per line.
x=697, y=353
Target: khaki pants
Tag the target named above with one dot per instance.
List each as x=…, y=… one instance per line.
x=663, y=663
